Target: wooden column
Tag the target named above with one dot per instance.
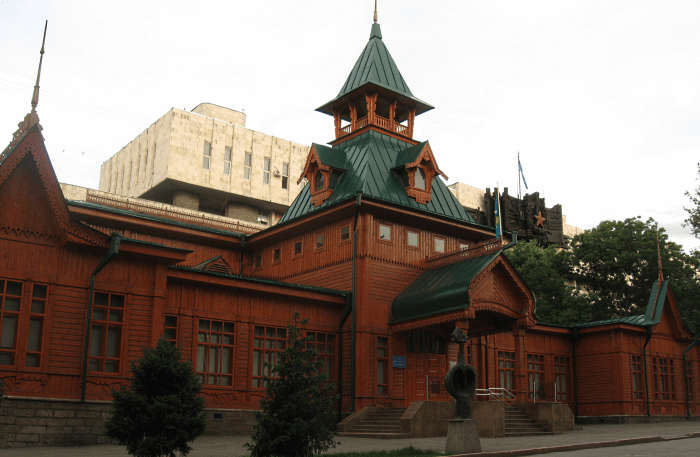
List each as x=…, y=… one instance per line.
x=392, y=111
x=336, y=119
x=411, y=119
x=353, y=118
x=371, y=101
x=520, y=381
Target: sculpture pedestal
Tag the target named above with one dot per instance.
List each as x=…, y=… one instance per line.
x=462, y=437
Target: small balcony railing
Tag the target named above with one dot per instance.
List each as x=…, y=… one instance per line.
x=379, y=121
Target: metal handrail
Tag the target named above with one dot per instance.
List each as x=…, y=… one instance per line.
x=497, y=394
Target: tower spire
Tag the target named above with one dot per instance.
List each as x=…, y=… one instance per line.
x=658, y=253
x=35, y=95
x=375, y=11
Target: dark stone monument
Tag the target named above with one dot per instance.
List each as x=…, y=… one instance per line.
x=462, y=435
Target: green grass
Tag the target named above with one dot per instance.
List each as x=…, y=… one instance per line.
x=405, y=452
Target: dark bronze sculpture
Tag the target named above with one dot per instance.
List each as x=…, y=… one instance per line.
x=461, y=379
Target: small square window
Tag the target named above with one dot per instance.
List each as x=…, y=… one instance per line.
x=297, y=247
x=463, y=246
x=439, y=244
x=320, y=240
x=412, y=238
x=276, y=254
x=385, y=232
x=345, y=233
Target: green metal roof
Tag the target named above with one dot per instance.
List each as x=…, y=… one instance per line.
x=330, y=157
x=272, y=282
x=439, y=291
x=652, y=314
x=409, y=155
x=376, y=66
x=368, y=161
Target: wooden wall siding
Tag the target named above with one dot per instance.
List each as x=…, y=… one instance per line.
x=383, y=281
x=495, y=291
x=66, y=329
x=311, y=260
x=337, y=277
x=201, y=252
x=193, y=301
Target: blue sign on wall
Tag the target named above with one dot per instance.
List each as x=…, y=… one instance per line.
x=399, y=361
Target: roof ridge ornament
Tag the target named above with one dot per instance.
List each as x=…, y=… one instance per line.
x=35, y=95
x=375, y=11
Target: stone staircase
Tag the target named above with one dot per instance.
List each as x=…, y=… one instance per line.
x=378, y=423
x=517, y=423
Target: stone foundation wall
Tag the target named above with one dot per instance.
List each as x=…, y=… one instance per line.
x=38, y=422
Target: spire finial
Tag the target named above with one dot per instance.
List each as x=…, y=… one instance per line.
x=658, y=253
x=35, y=96
x=375, y=11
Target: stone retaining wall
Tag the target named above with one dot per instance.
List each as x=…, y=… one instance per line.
x=38, y=422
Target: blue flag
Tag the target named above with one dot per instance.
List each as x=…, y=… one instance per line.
x=497, y=216
x=520, y=166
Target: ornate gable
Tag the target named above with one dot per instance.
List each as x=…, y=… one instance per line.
x=321, y=172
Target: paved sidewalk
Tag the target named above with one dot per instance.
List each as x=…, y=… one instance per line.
x=233, y=446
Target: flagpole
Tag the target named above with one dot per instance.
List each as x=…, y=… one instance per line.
x=519, y=194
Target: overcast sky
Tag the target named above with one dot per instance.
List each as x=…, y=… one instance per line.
x=600, y=97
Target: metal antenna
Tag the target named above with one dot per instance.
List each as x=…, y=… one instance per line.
x=35, y=96
x=375, y=11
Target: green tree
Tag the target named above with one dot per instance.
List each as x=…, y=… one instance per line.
x=616, y=263
x=545, y=271
x=298, y=417
x=161, y=411
x=693, y=220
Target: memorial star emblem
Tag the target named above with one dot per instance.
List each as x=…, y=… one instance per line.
x=539, y=219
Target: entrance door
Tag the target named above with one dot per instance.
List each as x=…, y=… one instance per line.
x=427, y=375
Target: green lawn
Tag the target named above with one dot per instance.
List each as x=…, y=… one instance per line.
x=405, y=452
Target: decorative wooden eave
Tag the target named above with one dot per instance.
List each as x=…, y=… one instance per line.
x=29, y=144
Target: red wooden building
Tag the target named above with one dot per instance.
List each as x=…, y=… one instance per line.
x=375, y=252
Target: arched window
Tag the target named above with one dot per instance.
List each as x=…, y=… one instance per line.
x=419, y=179
x=318, y=181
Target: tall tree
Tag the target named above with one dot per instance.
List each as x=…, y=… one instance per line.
x=615, y=263
x=161, y=411
x=693, y=220
x=298, y=417
x=545, y=271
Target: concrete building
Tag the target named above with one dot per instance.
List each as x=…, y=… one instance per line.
x=207, y=160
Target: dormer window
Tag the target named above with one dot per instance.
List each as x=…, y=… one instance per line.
x=323, y=170
x=419, y=179
x=319, y=181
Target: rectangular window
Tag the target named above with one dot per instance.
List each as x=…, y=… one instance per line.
x=382, y=365
x=324, y=346
x=320, y=240
x=285, y=175
x=298, y=245
x=10, y=298
x=637, y=386
x=425, y=342
x=561, y=378
x=535, y=375
x=215, y=352
x=247, y=165
x=412, y=238
x=276, y=255
x=463, y=246
x=36, y=325
x=506, y=369
x=345, y=233
x=266, y=170
x=206, y=158
x=106, y=332
x=385, y=232
x=268, y=342
x=439, y=244
x=227, y=160
x=170, y=329
x=690, y=379
x=664, y=379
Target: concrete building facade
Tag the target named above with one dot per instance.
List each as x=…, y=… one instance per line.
x=206, y=159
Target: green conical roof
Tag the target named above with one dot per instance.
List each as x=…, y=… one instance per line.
x=375, y=66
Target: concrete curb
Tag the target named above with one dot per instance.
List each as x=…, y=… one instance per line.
x=578, y=446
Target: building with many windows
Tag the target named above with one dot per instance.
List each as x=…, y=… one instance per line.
x=206, y=159
x=375, y=252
